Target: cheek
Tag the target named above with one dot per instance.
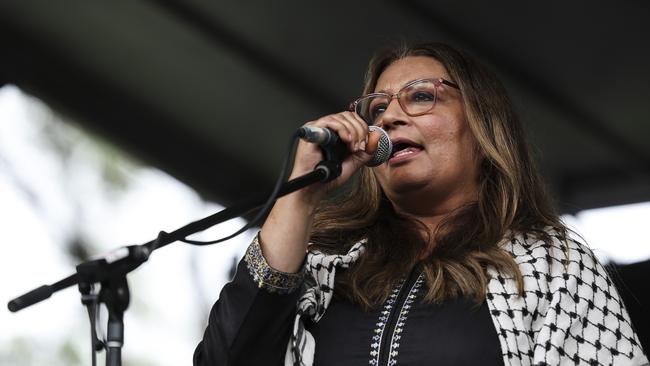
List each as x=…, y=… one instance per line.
x=443, y=126
x=433, y=127
x=441, y=135
x=450, y=140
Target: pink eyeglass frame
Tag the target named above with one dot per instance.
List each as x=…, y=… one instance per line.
x=436, y=81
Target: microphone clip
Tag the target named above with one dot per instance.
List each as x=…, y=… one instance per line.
x=332, y=163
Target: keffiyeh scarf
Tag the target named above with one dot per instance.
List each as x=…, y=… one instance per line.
x=312, y=305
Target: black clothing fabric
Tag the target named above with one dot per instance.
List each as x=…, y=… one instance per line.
x=254, y=325
x=453, y=333
x=247, y=325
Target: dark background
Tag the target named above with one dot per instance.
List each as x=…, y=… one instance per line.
x=211, y=91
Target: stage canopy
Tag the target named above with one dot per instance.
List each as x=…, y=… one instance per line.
x=212, y=91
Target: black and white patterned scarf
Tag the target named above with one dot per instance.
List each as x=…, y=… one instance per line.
x=312, y=305
x=570, y=313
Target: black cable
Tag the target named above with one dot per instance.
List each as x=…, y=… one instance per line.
x=287, y=165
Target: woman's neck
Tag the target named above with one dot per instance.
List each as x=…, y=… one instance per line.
x=430, y=213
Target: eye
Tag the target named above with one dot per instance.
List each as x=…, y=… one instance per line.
x=421, y=96
x=377, y=110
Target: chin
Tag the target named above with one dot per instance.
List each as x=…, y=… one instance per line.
x=408, y=186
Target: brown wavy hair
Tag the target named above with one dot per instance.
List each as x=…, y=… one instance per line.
x=512, y=199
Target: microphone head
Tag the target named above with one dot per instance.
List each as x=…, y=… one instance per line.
x=384, y=148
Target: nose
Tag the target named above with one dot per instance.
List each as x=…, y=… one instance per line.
x=393, y=115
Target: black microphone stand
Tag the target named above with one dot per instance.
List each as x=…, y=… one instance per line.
x=110, y=271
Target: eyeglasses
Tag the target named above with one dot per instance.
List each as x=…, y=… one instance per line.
x=416, y=98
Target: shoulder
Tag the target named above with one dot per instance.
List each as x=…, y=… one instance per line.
x=552, y=256
x=556, y=266
x=569, y=305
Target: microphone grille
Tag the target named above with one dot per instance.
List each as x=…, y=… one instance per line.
x=384, y=148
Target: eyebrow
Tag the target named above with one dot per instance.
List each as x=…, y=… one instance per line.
x=405, y=84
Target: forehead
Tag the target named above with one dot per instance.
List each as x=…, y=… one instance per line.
x=400, y=72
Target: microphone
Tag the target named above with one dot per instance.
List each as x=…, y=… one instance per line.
x=327, y=137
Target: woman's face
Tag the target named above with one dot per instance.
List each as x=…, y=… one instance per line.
x=440, y=166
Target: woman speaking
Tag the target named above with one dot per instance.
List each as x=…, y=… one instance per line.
x=450, y=253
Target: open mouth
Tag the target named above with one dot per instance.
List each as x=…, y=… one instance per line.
x=404, y=148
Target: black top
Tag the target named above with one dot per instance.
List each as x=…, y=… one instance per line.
x=256, y=326
x=453, y=333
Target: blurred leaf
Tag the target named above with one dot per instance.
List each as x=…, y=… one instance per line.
x=69, y=355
